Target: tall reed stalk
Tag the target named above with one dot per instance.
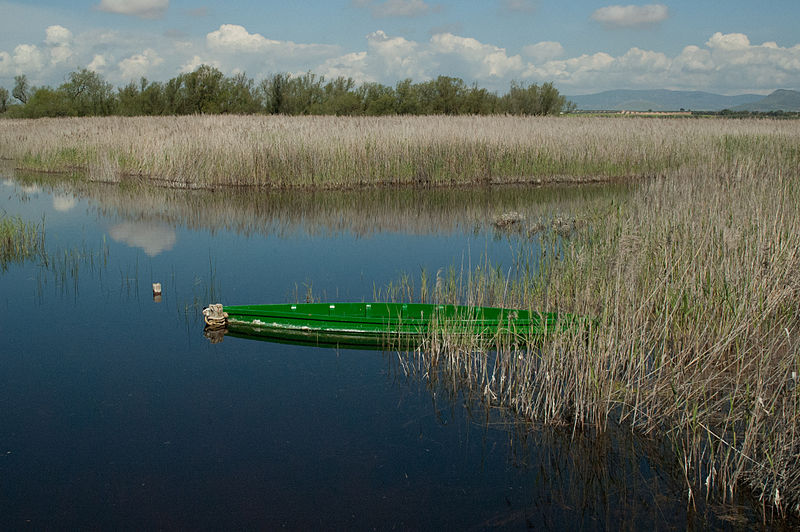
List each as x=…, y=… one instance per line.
x=695, y=285
x=19, y=240
x=346, y=152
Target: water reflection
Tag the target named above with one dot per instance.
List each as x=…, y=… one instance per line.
x=150, y=237
x=574, y=477
x=137, y=412
x=64, y=202
x=326, y=213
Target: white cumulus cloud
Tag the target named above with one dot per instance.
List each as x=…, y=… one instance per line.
x=138, y=8
x=98, y=63
x=728, y=42
x=139, y=65
x=235, y=38
x=196, y=61
x=694, y=59
x=397, y=57
x=353, y=65
x=28, y=58
x=481, y=60
x=543, y=51
x=59, y=39
x=57, y=35
x=631, y=16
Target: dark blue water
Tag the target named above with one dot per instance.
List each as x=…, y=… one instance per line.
x=117, y=413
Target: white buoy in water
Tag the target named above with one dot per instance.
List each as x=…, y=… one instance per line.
x=157, y=292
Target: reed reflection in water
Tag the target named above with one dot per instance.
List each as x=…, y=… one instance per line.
x=413, y=211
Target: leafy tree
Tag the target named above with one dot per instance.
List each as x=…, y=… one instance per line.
x=151, y=96
x=129, y=100
x=479, y=101
x=48, y=102
x=449, y=95
x=238, y=95
x=202, y=90
x=339, y=98
x=407, y=95
x=301, y=94
x=21, y=90
x=89, y=93
x=533, y=100
x=3, y=99
x=378, y=99
x=207, y=90
x=174, y=101
x=271, y=91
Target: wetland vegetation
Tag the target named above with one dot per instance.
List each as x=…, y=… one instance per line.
x=694, y=277
x=695, y=282
x=19, y=240
x=346, y=152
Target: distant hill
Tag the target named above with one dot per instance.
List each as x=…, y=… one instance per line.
x=780, y=100
x=661, y=100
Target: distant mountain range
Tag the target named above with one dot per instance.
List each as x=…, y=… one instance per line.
x=668, y=100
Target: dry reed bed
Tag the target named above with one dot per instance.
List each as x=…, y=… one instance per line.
x=695, y=282
x=330, y=152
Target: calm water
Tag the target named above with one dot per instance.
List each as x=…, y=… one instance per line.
x=116, y=412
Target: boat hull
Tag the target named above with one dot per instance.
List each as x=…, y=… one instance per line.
x=384, y=324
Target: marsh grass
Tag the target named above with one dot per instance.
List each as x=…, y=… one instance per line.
x=695, y=284
x=348, y=152
x=19, y=241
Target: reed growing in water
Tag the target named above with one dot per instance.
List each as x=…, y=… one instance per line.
x=695, y=283
x=694, y=278
x=345, y=152
x=19, y=241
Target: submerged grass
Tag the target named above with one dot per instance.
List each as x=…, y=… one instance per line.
x=347, y=152
x=695, y=283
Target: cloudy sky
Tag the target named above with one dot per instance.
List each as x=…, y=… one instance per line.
x=728, y=47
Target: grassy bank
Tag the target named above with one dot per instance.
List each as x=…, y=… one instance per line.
x=331, y=152
x=695, y=281
x=19, y=241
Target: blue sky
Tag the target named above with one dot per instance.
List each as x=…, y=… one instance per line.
x=727, y=47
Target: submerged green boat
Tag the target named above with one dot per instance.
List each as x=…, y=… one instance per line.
x=379, y=324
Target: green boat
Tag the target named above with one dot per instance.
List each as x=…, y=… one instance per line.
x=379, y=324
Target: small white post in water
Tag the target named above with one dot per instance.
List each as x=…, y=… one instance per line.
x=157, y=292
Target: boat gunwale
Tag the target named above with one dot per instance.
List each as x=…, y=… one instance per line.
x=444, y=315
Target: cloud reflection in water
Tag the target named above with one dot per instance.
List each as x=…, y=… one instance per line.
x=152, y=238
x=63, y=202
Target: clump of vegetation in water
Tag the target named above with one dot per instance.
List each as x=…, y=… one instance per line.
x=19, y=241
x=694, y=281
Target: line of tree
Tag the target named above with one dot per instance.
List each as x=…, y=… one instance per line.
x=728, y=113
x=209, y=91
